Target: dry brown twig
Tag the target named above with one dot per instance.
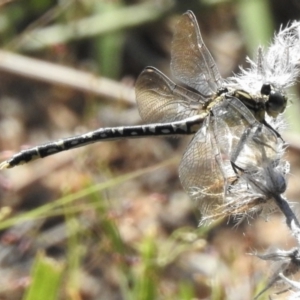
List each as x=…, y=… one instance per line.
x=62, y=75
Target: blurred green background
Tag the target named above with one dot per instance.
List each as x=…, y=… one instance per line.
x=110, y=221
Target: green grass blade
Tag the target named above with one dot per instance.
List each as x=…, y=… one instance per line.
x=46, y=279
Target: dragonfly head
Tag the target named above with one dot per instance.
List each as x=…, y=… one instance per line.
x=276, y=102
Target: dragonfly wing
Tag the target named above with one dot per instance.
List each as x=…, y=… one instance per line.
x=229, y=134
x=247, y=136
x=201, y=170
x=259, y=147
x=191, y=62
x=256, y=152
x=160, y=100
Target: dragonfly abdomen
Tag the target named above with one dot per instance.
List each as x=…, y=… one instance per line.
x=187, y=126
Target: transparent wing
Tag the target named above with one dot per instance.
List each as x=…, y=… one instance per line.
x=257, y=145
x=231, y=113
x=229, y=134
x=200, y=171
x=191, y=62
x=250, y=140
x=161, y=100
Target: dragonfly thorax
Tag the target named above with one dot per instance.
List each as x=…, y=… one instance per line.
x=255, y=104
x=270, y=101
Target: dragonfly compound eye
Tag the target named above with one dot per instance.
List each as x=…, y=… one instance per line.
x=276, y=104
x=265, y=89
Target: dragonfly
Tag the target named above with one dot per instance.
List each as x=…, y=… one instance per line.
x=228, y=122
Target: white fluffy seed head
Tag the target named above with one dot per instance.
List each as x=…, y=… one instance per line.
x=277, y=65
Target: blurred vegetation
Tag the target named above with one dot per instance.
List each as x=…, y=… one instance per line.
x=111, y=221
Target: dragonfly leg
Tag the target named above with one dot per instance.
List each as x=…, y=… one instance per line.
x=278, y=135
x=238, y=149
x=236, y=168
